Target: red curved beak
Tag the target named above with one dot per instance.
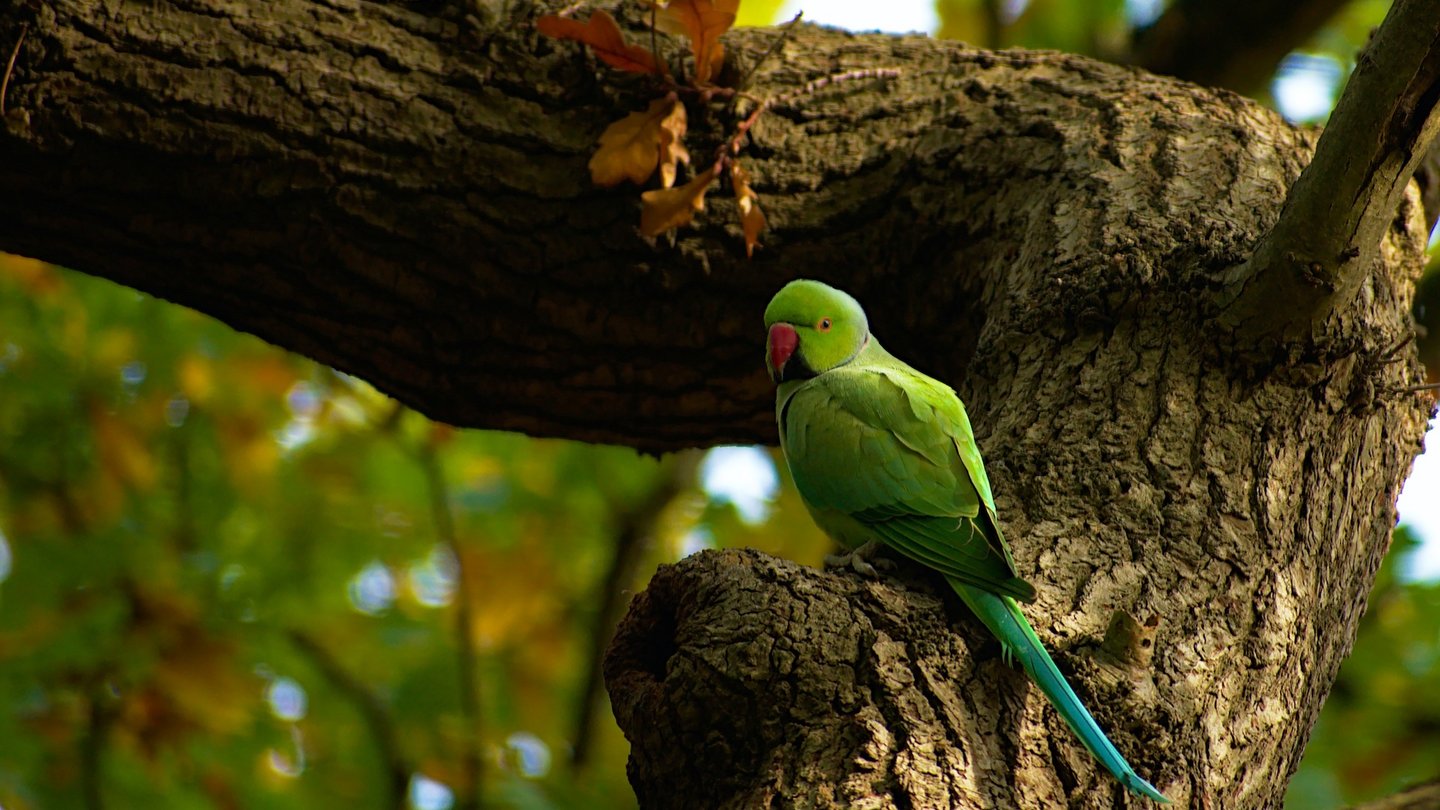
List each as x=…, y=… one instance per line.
x=779, y=346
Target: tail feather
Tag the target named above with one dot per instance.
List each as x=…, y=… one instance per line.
x=1003, y=617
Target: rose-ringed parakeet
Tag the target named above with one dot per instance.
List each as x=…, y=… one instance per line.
x=884, y=456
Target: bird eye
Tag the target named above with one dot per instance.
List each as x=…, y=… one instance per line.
x=823, y=325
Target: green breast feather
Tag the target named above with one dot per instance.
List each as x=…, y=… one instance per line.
x=893, y=450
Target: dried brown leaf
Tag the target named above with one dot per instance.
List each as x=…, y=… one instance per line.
x=603, y=36
x=752, y=219
x=665, y=209
x=703, y=21
x=632, y=147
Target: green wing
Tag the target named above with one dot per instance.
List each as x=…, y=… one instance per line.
x=893, y=449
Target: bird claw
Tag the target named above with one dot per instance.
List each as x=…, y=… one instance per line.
x=862, y=561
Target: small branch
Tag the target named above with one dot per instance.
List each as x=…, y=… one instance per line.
x=372, y=711
x=994, y=23
x=1229, y=43
x=1420, y=797
x=816, y=85
x=786, y=31
x=10, y=66
x=472, y=764
x=93, y=743
x=1328, y=234
x=634, y=527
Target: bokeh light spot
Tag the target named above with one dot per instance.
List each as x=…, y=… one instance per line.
x=287, y=699
x=743, y=476
x=372, y=591
x=427, y=794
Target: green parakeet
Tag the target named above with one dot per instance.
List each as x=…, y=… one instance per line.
x=884, y=456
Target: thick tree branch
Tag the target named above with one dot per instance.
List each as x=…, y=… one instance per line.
x=404, y=196
x=1327, y=239
x=1229, y=43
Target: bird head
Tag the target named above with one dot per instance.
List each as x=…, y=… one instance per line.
x=813, y=328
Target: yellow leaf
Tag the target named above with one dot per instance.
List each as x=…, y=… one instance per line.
x=197, y=379
x=752, y=220
x=124, y=455
x=669, y=208
x=37, y=276
x=632, y=147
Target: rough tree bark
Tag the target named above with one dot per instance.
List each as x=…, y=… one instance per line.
x=399, y=190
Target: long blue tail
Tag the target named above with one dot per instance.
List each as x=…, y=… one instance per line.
x=1003, y=617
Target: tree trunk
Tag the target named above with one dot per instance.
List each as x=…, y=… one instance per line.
x=400, y=190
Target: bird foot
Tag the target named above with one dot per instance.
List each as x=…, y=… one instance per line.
x=863, y=561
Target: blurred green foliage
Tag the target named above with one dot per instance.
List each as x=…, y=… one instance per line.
x=1380, y=729
x=196, y=523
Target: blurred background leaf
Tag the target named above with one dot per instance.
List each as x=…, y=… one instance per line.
x=230, y=577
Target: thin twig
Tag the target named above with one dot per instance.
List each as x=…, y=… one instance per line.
x=93, y=744
x=373, y=712
x=471, y=758
x=635, y=526
x=994, y=23
x=815, y=85
x=10, y=66
x=1415, y=389
x=1392, y=355
x=786, y=31
x=654, y=43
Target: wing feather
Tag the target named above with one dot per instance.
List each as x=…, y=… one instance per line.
x=894, y=449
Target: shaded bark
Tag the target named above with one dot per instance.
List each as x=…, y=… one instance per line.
x=1327, y=240
x=399, y=190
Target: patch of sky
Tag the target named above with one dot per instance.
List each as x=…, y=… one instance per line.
x=433, y=579
x=372, y=591
x=287, y=699
x=898, y=18
x=1419, y=508
x=743, y=476
x=428, y=794
x=1141, y=13
x=303, y=400
x=133, y=373
x=1010, y=10
x=696, y=540
x=1305, y=85
x=304, y=403
x=6, y=559
x=529, y=753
